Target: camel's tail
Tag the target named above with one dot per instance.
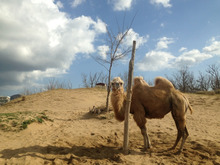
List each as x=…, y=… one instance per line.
x=188, y=104
x=190, y=108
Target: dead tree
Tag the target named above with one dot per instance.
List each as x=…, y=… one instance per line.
x=183, y=80
x=203, y=82
x=214, y=74
x=91, y=80
x=115, y=53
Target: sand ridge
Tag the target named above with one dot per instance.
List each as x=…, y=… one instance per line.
x=74, y=136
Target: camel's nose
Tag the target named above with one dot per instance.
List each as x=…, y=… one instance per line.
x=116, y=85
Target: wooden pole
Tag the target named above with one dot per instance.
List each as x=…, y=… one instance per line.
x=128, y=101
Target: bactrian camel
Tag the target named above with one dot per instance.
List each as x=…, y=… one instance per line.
x=152, y=102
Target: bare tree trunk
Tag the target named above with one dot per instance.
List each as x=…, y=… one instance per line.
x=128, y=101
x=109, y=86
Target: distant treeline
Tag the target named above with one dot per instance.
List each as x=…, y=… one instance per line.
x=183, y=79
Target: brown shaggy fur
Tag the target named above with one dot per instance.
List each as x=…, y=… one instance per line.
x=152, y=102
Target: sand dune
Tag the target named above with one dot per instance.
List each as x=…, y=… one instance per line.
x=74, y=136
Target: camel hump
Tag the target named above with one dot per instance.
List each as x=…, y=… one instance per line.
x=161, y=82
x=140, y=81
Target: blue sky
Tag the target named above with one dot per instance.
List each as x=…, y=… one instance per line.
x=40, y=39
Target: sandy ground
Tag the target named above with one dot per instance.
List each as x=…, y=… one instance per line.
x=74, y=136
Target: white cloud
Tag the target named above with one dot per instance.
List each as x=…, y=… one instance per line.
x=121, y=5
x=103, y=50
x=100, y=26
x=191, y=57
x=213, y=48
x=132, y=35
x=76, y=3
x=163, y=43
x=159, y=59
x=59, y=4
x=155, y=60
x=37, y=40
x=182, y=49
x=164, y=3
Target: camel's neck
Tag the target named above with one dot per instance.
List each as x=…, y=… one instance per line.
x=118, y=103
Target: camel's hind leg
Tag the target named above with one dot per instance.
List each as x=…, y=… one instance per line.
x=185, y=135
x=182, y=131
x=177, y=140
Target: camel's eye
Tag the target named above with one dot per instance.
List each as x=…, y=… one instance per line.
x=120, y=84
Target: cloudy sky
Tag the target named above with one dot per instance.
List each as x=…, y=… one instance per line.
x=40, y=39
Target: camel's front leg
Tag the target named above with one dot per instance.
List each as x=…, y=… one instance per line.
x=147, y=144
x=139, y=117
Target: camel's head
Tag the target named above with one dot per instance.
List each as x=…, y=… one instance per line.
x=117, y=84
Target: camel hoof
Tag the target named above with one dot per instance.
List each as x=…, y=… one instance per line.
x=172, y=148
x=178, y=152
x=145, y=149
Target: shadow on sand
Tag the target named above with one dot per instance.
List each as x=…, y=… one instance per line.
x=101, y=152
